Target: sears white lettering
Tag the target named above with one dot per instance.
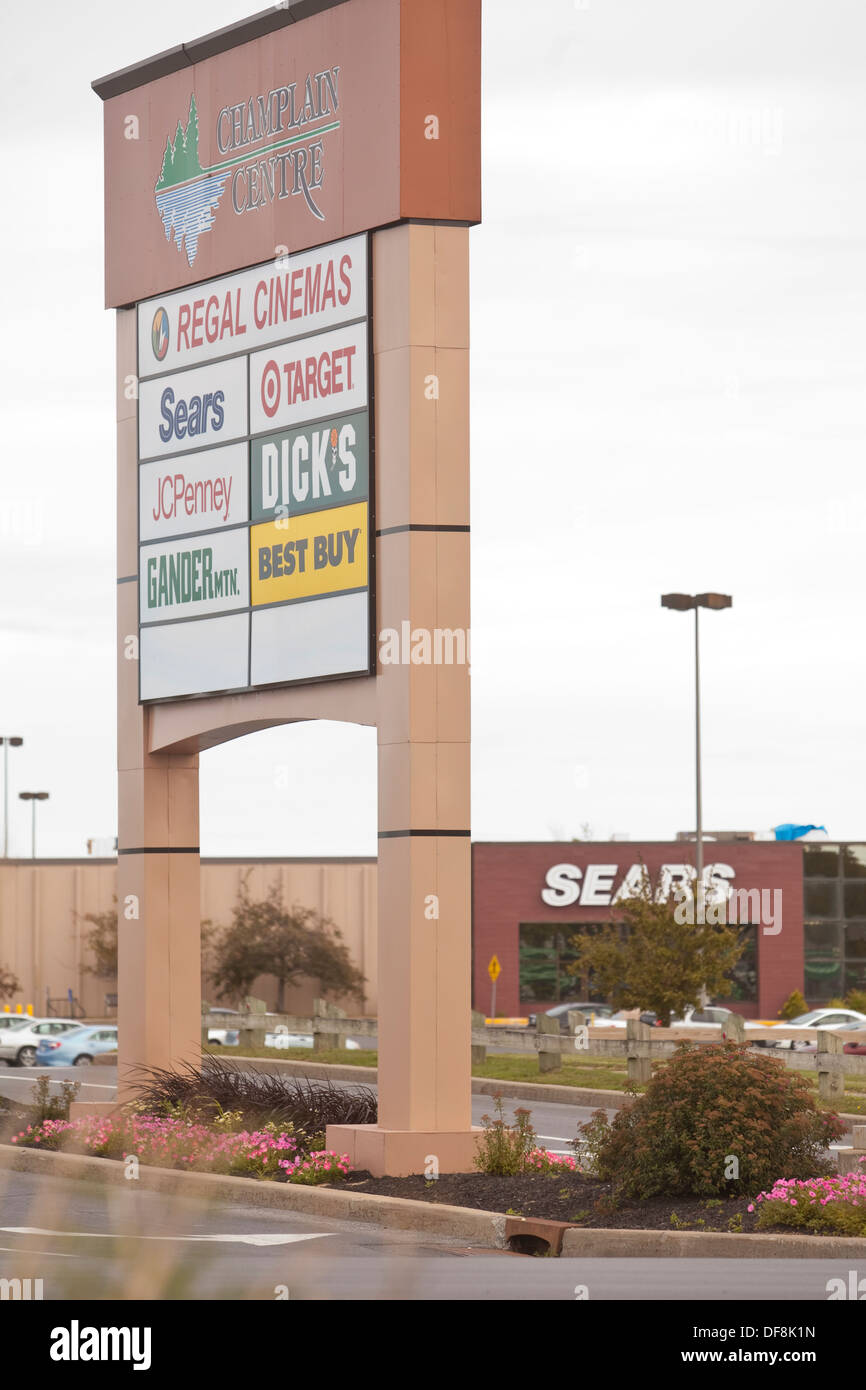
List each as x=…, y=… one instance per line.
x=563, y=884
x=598, y=885
x=76, y=1343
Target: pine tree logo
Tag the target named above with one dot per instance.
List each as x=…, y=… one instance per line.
x=180, y=161
x=187, y=195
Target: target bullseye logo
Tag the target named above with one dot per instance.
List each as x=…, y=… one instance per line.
x=159, y=334
x=270, y=388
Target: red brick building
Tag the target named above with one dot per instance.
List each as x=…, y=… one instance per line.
x=530, y=899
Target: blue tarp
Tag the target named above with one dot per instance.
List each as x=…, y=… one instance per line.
x=795, y=832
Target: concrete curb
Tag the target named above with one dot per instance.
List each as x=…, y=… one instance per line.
x=485, y=1228
x=579, y=1243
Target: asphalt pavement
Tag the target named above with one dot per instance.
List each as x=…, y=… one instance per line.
x=90, y=1242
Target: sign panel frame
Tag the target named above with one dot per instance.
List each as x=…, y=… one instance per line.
x=196, y=538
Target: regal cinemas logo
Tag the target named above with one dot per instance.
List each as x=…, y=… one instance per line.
x=271, y=147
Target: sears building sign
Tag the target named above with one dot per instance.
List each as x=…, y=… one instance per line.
x=605, y=885
x=254, y=477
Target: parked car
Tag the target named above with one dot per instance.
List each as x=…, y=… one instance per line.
x=819, y=1018
x=18, y=1045
x=709, y=1017
x=280, y=1038
x=857, y=1046
x=15, y=1020
x=78, y=1047
x=224, y=1037
x=561, y=1011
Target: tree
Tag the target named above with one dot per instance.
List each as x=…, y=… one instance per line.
x=267, y=938
x=657, y=962
x=101, y=941
x=793, y=1006
x=9, y=983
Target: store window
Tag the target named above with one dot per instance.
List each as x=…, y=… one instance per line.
x=854, y=861
x=744, y=976
x=835, y=948
x=545, y=956
x=822, y=942
x=821, y=898
x=821, y=861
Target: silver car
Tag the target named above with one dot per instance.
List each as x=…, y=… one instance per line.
x=18, y=1042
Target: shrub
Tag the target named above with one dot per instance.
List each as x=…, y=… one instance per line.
x=503, y=1148
x=835, y=1204
x=704, y=1106
x=53, y=1107
x=856, y=999
x=506, y=1150
x=793, y=1006
x=260, y=1097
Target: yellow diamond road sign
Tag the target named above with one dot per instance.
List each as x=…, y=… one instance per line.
x=494, y=969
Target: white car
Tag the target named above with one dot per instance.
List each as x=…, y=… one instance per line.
x=18, y=1044
x=710, y=1017
x=280, y=1038
x=819, y=1018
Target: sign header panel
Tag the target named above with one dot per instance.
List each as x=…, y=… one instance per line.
x=318, y=130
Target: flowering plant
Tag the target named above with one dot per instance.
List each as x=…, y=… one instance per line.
x=165, y=1142
x=824, y=1204
x=325, y=1165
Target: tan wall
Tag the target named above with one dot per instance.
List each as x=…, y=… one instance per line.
x=43, y=941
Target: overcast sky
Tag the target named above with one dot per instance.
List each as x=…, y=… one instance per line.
x=668, y=317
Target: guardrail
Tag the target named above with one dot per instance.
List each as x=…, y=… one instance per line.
x=638, y=1044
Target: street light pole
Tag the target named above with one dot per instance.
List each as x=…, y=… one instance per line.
x=684, y=603
x=7, y=743
x=699, y=810
x=33, y=797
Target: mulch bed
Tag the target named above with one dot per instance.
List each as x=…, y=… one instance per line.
x=571, y=1197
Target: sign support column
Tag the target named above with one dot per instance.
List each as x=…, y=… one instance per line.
x=158, y=909
x=421, y=354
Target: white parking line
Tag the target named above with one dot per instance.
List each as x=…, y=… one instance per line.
x=41, y=1071
x=113, y=1235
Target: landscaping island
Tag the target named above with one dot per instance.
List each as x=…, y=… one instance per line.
x=720, y=1140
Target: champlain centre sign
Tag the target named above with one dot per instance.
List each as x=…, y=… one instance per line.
x=270, y=146
x=254, y=477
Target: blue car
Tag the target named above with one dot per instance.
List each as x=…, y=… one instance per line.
x=77, y=1048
